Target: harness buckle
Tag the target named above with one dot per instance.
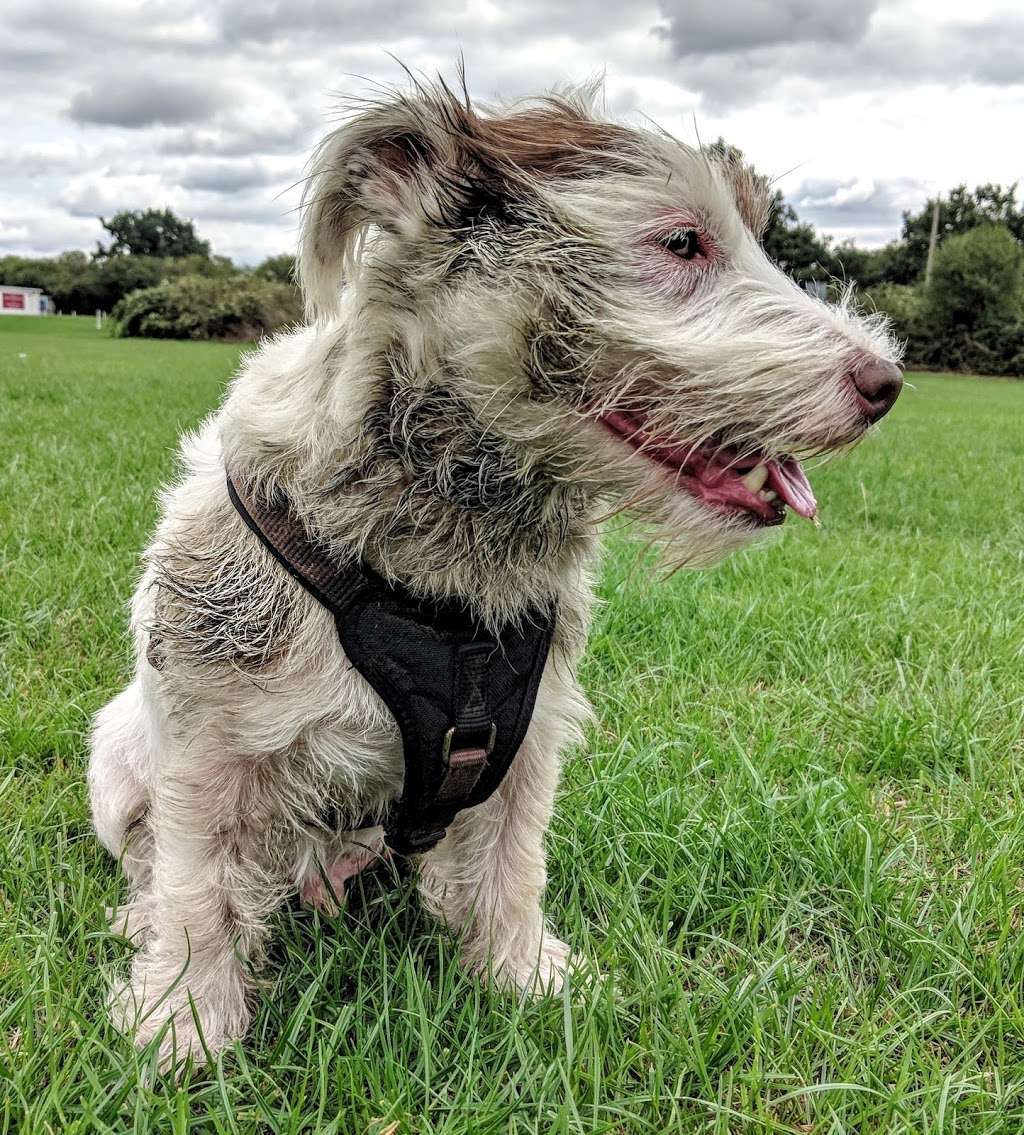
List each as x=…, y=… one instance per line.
x=463, y=765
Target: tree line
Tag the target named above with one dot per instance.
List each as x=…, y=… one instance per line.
x=158, y=278
x=146, y=248
x=969, y=315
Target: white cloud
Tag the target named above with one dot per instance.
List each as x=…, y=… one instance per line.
x=857, y=192
x=862, y=108
x=13, y=234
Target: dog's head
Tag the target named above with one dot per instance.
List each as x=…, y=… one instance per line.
x=598, y=297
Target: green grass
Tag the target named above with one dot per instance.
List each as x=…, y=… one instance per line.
x=794, y=845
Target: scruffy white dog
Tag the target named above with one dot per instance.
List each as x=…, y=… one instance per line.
x=546, y=317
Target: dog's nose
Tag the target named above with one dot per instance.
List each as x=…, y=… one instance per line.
x=878, y=385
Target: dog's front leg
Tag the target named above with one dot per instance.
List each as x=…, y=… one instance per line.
x=212, y=890
x=486, y=877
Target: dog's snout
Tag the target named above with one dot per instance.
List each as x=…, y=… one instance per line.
x=878, y=385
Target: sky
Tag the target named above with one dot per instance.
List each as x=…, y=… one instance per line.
x=860, y=108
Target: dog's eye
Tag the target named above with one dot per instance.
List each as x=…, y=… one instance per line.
x=683, y=243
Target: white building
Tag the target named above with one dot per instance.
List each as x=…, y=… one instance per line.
x=15, y=300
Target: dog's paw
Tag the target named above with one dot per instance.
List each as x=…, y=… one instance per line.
x=193, y=1021
x=540, y=972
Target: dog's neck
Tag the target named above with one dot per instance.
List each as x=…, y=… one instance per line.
x=385, y=460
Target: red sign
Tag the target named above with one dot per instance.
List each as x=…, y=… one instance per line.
x=14, y=300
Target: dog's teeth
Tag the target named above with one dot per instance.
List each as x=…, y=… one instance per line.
x=756, y=478
x=767, y=495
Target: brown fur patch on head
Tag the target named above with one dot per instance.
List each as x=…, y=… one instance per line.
x=751, y=190
x=554, y=139
x=554, y=136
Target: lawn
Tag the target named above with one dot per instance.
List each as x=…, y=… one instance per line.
x=793, y=846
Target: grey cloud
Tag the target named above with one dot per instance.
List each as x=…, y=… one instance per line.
x=277, y=20
x=735, y=63
x=866, y=204
x=265, y=210
x=151, y=24
x=141, y=101
x=34, y=235
x=22, y=59
x=220, y=92
x=230, y=138
x=227, y=177
x=39, y=161
x=739, y=25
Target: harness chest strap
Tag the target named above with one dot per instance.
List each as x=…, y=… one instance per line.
x=462, y=696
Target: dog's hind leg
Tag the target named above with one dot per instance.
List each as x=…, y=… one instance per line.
x=487, y=876
x=119, y=761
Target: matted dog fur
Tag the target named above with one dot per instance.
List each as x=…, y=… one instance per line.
x=520, y=320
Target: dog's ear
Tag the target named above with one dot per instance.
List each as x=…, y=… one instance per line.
x=428, y=157
x=380, y=168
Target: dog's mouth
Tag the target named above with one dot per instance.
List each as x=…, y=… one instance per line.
x=749, y=485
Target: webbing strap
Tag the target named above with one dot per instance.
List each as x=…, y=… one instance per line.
x=285, y=536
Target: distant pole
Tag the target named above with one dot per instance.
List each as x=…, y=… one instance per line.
x=99, y=320
x=933, y=240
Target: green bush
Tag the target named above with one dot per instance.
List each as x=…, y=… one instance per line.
x=976, y=282
x=970, y=316
x=972, y=313
x=901, y=303
x=202, y=307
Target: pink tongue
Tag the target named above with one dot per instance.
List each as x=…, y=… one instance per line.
x=788, y=479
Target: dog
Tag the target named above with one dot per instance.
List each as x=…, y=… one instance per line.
x=520, y=321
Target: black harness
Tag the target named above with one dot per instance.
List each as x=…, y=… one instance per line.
x=462, y=697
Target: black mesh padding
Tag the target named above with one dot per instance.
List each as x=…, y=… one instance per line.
x=462, y=697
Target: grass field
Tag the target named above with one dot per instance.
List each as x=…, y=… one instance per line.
x=794, y=845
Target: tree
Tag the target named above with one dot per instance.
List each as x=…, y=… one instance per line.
x=207, y=307
x=976, y=282
x=279, y=268
x=869, y=267
x=960, y=211
x=151, y=232
x=71, y=279
x=973, y=307
x=119, y=276
x=72, y=282
x=218, y=267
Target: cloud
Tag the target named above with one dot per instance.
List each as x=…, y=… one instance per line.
x=740, y=50
x=212, y=106
x=277, y=21
x=109, y=191
x=832, y=195
x=13, y=234
x=27, y=59
x=739, y=25
x=283, y=132
x=134, y=103
x=43, y=159
x=39, y=231
x=100, y=195
x=859, y=204
x=227, y=177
